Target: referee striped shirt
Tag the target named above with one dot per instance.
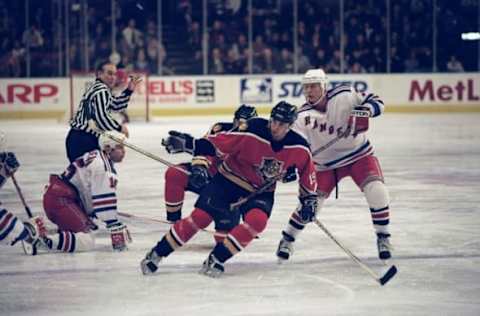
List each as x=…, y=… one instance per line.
x=97, y=104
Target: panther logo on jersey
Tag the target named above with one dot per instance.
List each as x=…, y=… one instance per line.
x=270, y=168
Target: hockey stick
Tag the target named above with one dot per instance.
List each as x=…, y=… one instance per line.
x=20, y=194
x=355, y=114
x=150, y=219
x=93, y=126
x=146, y=153
x=267, y=185
x=381, y=279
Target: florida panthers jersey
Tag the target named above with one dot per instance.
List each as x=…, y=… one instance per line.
x=252, y=157
x=331, y=133
x=95, y=179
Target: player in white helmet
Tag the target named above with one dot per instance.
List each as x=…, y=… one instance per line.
x=87, y=190
x=340, y=148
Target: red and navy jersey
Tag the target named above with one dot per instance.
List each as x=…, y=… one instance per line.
x=214, y=161
x=220, y=127
x=252, y=157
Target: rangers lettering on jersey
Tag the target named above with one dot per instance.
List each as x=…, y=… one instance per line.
x=331, y=133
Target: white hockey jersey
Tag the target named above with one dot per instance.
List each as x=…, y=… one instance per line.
x=95, y=179
x=331, y=134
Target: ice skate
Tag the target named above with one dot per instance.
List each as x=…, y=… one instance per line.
x=384, y=246
x=150, y=263
x=284, y=250
x=212, y=267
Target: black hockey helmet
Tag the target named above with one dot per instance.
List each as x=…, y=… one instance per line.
x=245, y=112
x=284, y=112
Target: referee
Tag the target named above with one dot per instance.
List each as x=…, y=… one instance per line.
x=97, y=105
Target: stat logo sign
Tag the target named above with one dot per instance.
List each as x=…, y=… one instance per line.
x=256, y=90
x=205, y=91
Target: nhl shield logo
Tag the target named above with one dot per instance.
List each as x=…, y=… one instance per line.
x=270, y=168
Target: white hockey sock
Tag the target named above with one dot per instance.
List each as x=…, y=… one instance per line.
x=71, y=242
x=377, y=198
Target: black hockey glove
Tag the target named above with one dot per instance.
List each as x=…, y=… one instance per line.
x=199, y=177
x=179, y=143
x=8, y=164
x=308, y=209
x=290, y=174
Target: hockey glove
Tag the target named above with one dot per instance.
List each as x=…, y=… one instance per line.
x=308, y=209
x=199, y=177
x=178, y=143
x=371, y=106
x=290, y=174
x=361, y=111
x=119, y=235
x=8, y=164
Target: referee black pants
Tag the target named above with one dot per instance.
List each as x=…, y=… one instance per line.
x=79, y=142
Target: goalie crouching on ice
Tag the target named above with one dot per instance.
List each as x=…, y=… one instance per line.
x=85, y=190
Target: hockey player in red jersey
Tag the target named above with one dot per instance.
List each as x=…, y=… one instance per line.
x=254, y=158
x=86, y=189
x=340, y=149
x=177, y=181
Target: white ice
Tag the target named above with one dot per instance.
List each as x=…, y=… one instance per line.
x=431, y=163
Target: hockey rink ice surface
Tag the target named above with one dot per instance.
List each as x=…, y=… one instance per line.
x=431, y=163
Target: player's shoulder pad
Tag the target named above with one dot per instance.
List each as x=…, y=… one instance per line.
x=305, y=107
x=338, y=90
x=294, y=138
x=95, y=160
x=258, y=126
x=221, y=127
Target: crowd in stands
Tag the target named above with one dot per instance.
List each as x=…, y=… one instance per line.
x=319, y=38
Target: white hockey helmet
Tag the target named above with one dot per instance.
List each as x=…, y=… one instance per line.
x=315, y=76
x=106, y=142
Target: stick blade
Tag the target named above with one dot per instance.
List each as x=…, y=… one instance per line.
x=388, y=275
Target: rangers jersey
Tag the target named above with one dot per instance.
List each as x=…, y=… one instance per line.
x=252, y=157
x=95, y=180
x=332, y=133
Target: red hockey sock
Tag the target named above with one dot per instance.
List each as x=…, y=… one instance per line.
x=241, y=235
x=183, y=230
x=175, y=183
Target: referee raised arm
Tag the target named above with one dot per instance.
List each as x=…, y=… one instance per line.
x=97, y=105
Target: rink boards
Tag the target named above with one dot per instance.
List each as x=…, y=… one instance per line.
x=207, y=95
